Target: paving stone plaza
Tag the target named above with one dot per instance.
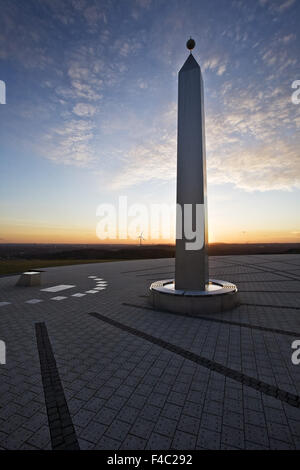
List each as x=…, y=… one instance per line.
x=90, y=365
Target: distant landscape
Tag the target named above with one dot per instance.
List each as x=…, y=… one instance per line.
x=15, y=258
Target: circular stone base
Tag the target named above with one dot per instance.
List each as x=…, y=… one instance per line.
x=218, y=296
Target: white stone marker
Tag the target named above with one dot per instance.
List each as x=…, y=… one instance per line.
x=29, y=279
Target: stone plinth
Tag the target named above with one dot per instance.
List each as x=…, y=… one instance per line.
x=218, y=296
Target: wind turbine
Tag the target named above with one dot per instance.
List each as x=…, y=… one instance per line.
x=141, y=238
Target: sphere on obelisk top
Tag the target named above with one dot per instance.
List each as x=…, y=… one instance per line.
x=190, y=44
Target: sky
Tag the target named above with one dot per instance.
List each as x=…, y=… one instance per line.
x=91, y=114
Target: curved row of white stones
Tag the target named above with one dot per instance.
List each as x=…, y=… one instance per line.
x=101, y=284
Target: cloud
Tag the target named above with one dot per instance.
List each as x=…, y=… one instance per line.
x=285, y=5
x=246, y=143
x=93, y=15
x=261, y=167
x=215, y=64
x=127, y=47
x=277, y=6
x=78, y=4
x=244, y=140
x=288, y=38
x=153, y=156
x=221, y=69
x=70, y=144
x=84, y=110
x=143, y=3
x=153, y=160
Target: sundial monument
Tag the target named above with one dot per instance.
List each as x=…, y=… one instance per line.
x=192, y=291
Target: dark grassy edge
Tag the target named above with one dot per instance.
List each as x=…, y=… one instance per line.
x=10, y=267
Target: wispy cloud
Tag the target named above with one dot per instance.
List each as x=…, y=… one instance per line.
x=70, y=144
x=215, y=64
x=277, y=6
x=261, y=167
x=285, y=5
x=244, y=146
x=84, y=109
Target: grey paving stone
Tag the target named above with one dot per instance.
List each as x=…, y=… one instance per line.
x=296, y=440
x=95, y=404
x=105, y=392
x=40, y=439
x=125, y=391
x=142, y=428
x=158, y=442
x=116, y=402
x=253, y=417
x=280, y=445
x=257, y=435
x=12, y=423
x=208, y=439
x=118, y=430
x=157, y=399
x=279, y=432
x=17, y=438
x=93, y=432
x=83, y=417
x=235, y=420
x=9, y=409
x=254, y=446
x=168, y=379
x=233, y=437
x=133, y=443
x=35, y=422
x=194, y=396
x=189, y=424
x=216, y=395
x=183, y=441
x=74, y=405
x=137, y=401
x=107, y=443
x=294, y=427
x=105, y=416
x=213, y=407
x=26, y=446
x=192, y=409
x=176, y=398
x=162, y=388
x=253, y=403
x=233, y=405
x=165, y=426
x=275, y=415
x=85, y=394
x=128, y=414
x=211, y=422
x=150, y=412
x=225, y=446
x=171, y=411
x=85, y=445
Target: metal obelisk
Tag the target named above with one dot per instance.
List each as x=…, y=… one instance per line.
x=191, y=264
x=191, y=292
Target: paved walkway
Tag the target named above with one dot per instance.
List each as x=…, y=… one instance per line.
x=89, y=365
